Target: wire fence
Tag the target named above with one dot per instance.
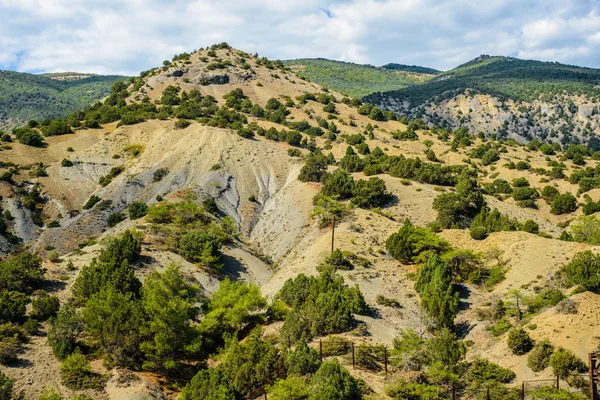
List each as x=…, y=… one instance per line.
x=376, y=358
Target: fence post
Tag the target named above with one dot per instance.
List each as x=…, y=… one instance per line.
x=385, y=358
x=453, y=391
x=488, y=394
x=265, y=395
x=557, y=382
x=353, y=365
x=321, y=348
x=592, y=366
x=523, y=391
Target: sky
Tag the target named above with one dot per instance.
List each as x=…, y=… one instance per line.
x=129, y=36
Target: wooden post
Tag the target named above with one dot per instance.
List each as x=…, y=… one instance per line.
x=321, y=349
x=488, y=394
x=523, y=391
x=592, y=365
x=385, y=358
x=557, y=382
x=353, y=364
x=332, y=233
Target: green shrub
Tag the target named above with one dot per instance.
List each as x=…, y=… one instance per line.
x=53, y=256
x=91, y=202
x=137, y=209
x=66, y=162
x=481, y=372
x=530, y=227
x=45, y=307
x=405, y=390
x=6, y=387
x=182, y=123
x=302, y=360
x=491, y=156
x=251, y=365
x=12, y=305
x=584, y=270
x=499, y=328
x=231, y=308
x=552, y=393
x=111, y=269
x=169, y=304
x=320, y=305
x=115, y=218
x=201, y=247
x=333, y=382
x=277, y=311
x=478, y=232
x=292, y=388
x=564, y=361
x=539, y=358
x=57, y=127
x=370, y=193
x=50, y=394
x=439, y=298
x=338, y=260
x=549, y=193
x=460, y=206
x=209, y=384
x=546, y=298
x=64, y=330
x=10, y=347
x=31, y=326
x=339, y=184
x=76, y=373
x=29, y=137
x=564, y=204
x=519, y=342
x=313, y=169
x=159, y=174
x=335, y=346
x=412, y=244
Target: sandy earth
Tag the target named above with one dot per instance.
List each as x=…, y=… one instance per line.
x=218, y=163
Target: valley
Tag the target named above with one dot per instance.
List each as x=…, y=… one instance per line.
x=184, y=226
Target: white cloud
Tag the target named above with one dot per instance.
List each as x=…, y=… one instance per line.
x=114, y=36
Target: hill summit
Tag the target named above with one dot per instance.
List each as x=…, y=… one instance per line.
x=219, y=227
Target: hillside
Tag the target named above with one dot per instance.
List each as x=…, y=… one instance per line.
x=508, y=96
x=357, y=80
x=411, y=68
x=175, y=243
x=27, y=96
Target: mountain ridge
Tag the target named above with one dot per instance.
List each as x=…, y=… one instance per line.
x=25, y=96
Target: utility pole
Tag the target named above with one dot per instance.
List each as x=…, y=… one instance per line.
x=332, y=233
x=385, y=359
x=594, y=369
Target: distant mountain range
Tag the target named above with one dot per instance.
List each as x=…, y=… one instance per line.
x=358, y=80
x=26, y=96
x=506, y=96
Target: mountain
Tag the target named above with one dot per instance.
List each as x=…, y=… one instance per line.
x=27, y=96
x=175, y=242
x=356, y=80
x=411, y=68
x=507, y=96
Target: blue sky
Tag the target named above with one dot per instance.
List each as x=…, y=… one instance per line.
x=128, y=36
